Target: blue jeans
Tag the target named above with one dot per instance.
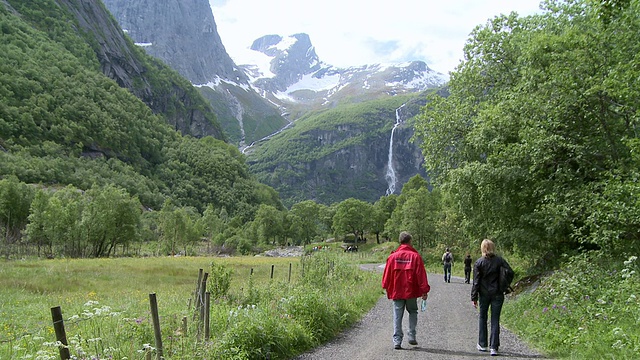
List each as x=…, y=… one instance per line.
x=495, y=302
x=447, y=272
x=399, y=306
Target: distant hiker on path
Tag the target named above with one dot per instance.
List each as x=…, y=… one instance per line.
x=486, y=290
x=467, y=268
x=447, y=261
x=405, y=279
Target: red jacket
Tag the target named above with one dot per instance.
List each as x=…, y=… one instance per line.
x=404, y=274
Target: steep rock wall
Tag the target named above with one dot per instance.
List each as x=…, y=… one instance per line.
x=168, y=95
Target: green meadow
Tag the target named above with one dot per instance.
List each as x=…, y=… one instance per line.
x=254, y=314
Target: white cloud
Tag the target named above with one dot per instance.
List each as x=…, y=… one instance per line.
x=357, y=32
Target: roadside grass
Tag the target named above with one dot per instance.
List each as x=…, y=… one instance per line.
x=590, y=309
x=105, y=305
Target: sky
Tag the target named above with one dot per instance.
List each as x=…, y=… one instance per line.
x=361, y=32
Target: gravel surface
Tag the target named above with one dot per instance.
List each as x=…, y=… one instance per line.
x=448, y=329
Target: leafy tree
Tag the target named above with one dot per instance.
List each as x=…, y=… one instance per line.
x=211, y=223
x=62, y=222
x=15, y=200
x=269, y=224
x=382, y=210
x=353, y=216
x=305, y=218
x=38, y=222
x=539, y=120
x=110, y=218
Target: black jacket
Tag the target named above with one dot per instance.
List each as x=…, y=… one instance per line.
x=486, y=273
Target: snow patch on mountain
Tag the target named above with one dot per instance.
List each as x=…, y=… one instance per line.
x=287, y=69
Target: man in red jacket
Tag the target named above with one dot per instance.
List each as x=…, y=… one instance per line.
x=405, y=280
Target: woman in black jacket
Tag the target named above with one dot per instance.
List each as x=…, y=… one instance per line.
x=486, y=291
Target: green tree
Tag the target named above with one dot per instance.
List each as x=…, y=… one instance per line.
x=38, y=222
x=539, y=120
x=353, y=216
x=305, y=218
x=110, y=218
x=382, y=210
x=15, y=200
x=269, y=224
x=211, y=224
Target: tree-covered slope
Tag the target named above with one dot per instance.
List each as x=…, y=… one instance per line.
x=340, y=153
x=64, y=121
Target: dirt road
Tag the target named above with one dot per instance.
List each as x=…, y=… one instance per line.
x=447, y=330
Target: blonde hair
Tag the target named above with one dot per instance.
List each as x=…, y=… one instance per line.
x=488, y=248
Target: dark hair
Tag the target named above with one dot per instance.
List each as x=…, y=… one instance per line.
x=405, y=237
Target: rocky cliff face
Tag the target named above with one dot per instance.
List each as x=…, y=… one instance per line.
x=177, y=102
x=183, y=34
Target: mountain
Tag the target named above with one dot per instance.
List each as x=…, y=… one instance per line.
x=265, y=100
x=340, y=144
x=287, y=71
x=183, y=34
x=168, y=95
x=82, y=105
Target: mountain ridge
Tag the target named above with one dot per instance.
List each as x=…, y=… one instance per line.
x=285, y=83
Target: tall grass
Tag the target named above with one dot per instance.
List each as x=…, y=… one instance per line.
x=105, y=304
x=588, y=310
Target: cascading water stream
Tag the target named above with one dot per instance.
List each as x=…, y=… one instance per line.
x=391, y=173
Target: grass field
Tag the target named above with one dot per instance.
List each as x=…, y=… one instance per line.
x=105, y=304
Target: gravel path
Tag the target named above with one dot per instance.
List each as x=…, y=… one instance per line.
x=447, y=330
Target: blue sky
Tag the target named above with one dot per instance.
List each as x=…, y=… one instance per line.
x=358, y=32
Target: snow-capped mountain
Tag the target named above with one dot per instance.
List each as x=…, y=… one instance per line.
x=287, y=71
x=281, y=80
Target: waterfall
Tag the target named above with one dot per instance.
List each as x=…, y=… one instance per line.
x=391, y=173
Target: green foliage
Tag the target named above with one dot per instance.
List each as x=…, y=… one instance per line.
x=539, y=120
x=63, y=122
x=588, y=308
x=277, y=320
x=219, y=280
x=353, y=216
x=15, y=199
x=284, y=161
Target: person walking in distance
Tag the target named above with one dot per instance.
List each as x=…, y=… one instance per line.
x=467, y=268
x=486, y=291
x=405, y=280
x=447, y=261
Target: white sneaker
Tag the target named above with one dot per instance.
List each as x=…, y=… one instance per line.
x=481, y=348
x=494, y=352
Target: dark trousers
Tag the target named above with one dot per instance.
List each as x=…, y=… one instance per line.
x=467, y=274
x=495, y=302
x=447, y=272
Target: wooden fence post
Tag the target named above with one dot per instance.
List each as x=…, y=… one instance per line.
x=153, y=302
x=203, y=290
x=289, y=272
x=207, y=306
x=272, y=266
x=61, y=335
x=196, y=294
